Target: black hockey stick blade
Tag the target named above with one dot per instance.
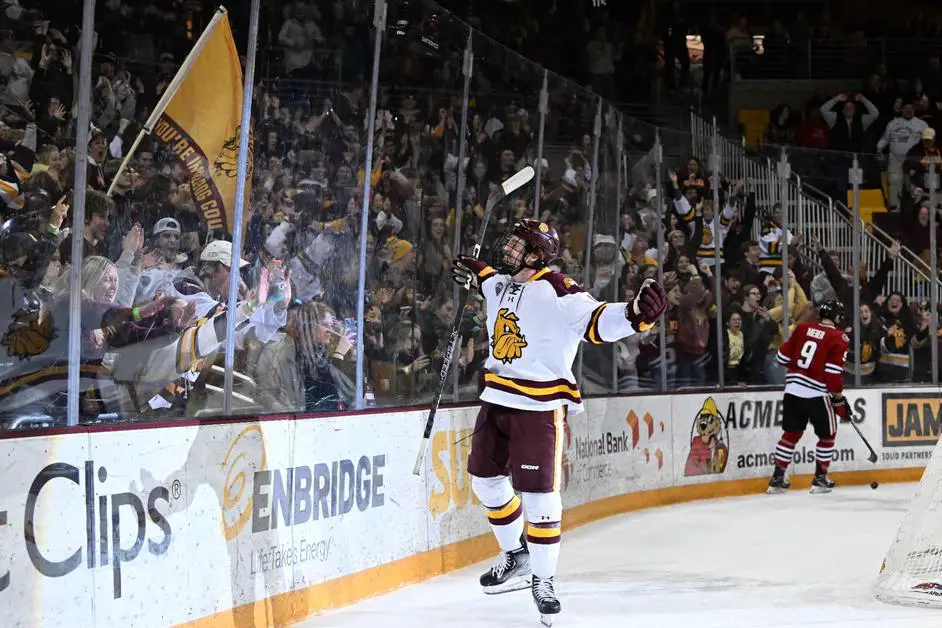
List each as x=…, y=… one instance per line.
x=517, y=181
x=873, y=455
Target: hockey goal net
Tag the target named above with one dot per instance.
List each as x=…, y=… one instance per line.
x=911, y=573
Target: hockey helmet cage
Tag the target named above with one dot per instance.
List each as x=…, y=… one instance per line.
x=832, y=311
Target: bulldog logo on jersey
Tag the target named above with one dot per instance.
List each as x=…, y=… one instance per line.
x=709, y=442
x=29, y=333
x=507, y=342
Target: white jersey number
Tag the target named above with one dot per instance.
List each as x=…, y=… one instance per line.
x=807, y=354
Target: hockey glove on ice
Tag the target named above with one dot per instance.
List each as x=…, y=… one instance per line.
x=464, y=270
x=648, y=307
x=842, y=409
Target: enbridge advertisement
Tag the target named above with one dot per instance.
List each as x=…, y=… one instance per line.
x=102, y=529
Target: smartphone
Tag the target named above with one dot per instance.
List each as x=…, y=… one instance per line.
x=350, y=328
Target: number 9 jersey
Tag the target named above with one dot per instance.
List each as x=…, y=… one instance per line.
x=814, y=356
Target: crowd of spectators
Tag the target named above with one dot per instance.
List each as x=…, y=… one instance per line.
x=894, y=345
x=889, y=125
x=155, y=280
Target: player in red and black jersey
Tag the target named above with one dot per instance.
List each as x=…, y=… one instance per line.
x=814, y=356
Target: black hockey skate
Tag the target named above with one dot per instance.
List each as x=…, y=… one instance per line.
x=778, y=484
x=821, y=483
x=544, y=596
x=510, y=572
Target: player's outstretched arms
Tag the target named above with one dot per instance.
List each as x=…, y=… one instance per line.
x=608, y=322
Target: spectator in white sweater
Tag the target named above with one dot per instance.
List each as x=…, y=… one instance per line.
x=901, y=134
x=602, y=56
x=299, y=35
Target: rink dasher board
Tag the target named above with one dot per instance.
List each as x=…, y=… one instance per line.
x=281, y=518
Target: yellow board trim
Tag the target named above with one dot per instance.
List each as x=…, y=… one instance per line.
x=294, y=606
x=506, y=511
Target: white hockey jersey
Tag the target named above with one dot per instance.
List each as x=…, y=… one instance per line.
x=714, y=231
x=534, y=330
x=770, y=248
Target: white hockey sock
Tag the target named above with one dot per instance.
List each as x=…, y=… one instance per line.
x=504, y=510
x=544, y=531
x=507, y=524
x=543, y=541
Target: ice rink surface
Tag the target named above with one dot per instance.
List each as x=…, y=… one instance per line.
x=793, y=560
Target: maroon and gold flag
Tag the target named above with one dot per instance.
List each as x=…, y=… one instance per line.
x=201, y=126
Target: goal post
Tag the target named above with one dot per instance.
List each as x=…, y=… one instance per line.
x=911, y=574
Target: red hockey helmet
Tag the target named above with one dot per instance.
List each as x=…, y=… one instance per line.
x=525, y=237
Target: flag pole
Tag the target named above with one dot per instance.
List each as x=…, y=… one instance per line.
x=169, y=93
x=239, y=209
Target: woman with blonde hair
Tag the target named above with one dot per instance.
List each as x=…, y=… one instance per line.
x=799, y=310
x=99, y=279
x=104, y=281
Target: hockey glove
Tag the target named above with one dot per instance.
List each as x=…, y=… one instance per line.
x=465, y=270
x=648, y=307
x=842, y=409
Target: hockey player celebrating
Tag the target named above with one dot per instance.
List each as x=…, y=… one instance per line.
x=536, y=320
x=814, y=383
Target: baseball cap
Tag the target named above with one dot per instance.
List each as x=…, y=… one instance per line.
x=167, y=224
x=928, y=134
x=220, y=251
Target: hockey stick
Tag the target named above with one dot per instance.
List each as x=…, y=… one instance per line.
x=507, y=187
x=873, y=455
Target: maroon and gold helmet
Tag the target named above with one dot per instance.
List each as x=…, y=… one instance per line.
x=509, y=255
x=540, y=237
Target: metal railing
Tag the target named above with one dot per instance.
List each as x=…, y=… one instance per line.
x=812, y=212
